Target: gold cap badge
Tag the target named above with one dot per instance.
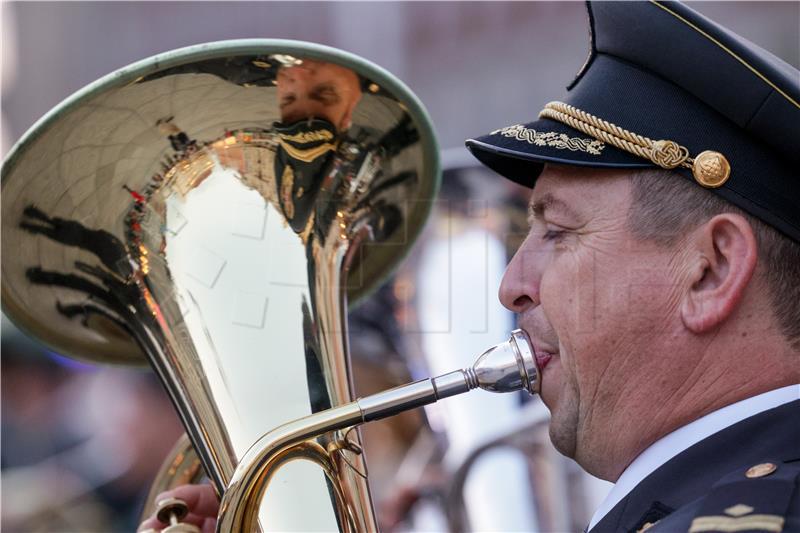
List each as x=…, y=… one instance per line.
x=711, y=169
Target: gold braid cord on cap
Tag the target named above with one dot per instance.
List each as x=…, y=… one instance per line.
x=709, y=168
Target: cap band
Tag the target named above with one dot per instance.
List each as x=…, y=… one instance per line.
x=710, y=168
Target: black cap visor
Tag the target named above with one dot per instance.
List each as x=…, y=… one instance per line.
x=520, y=152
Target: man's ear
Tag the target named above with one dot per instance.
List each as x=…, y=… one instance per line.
x=723, y=252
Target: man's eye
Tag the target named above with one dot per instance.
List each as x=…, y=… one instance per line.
x=326, y=96
x=552, y=235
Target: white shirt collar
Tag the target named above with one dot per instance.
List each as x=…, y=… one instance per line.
x=682, y=438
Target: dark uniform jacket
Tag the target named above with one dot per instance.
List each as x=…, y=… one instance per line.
x=743, y=478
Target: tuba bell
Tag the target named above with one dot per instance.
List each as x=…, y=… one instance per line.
x=211, y=212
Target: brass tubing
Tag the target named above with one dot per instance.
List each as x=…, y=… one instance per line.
x=507, y=367
x=240, y=502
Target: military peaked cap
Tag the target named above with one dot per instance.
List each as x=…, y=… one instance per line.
x=666, y=87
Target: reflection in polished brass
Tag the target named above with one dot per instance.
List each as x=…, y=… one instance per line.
x=146, y=215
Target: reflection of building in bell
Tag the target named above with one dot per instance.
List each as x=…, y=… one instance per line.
x=251, y=153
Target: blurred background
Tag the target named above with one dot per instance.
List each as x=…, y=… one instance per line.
x=80, y=444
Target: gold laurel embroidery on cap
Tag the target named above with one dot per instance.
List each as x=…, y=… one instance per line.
x=757, y=522
x=551, y=138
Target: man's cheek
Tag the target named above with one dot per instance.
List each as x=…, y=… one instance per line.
x=570, y=292
x=553, y=299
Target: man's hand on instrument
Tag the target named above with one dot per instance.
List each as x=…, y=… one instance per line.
x=203, y=504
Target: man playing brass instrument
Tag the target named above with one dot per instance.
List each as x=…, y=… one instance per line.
x=660, y=279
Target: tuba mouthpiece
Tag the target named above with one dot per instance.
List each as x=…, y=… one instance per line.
x=508, y=366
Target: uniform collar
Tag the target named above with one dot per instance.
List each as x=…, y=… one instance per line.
x=682, y=438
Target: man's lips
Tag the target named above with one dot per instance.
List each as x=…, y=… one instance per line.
x=542, y=358
x=543, y=351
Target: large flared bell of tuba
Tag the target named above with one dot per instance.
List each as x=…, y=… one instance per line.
x=211, y=211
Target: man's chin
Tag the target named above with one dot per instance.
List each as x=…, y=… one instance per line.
x=563, y=444
x=563, y=409
x=563, y=433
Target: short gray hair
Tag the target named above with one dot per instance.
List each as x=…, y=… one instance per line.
x=665, y=206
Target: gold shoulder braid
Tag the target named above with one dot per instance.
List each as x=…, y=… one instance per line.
x=709, y=168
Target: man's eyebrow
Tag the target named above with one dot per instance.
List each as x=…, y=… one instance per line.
x=537, y=208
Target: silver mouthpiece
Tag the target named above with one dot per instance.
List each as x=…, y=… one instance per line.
x=507, y=367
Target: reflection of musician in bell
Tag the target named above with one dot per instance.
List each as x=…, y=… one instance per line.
x=301, y=159
x=317, y=89
x=316, y=102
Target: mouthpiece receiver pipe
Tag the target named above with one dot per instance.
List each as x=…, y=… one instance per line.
x=507, y=367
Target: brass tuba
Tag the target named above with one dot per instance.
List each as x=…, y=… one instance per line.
x=211, y=211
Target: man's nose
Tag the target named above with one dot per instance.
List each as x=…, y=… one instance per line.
x=519, y=289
